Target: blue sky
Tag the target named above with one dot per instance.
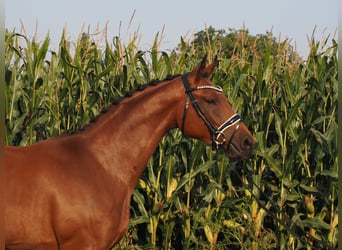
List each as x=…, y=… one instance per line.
x=294, y=19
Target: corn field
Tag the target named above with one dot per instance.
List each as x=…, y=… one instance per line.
x=190, y=197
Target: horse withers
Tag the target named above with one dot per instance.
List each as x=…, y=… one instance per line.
x=73, y=191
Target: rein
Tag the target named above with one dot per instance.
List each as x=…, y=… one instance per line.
x=216, y=133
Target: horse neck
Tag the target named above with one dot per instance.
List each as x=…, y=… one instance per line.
x=124, y=138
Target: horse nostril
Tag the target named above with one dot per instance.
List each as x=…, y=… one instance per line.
x=248, y=144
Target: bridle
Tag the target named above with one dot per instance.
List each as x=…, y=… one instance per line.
x=215, y=133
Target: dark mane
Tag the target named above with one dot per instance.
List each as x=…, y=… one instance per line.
x=116, y=101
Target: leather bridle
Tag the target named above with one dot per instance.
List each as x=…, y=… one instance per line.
x=216, y=133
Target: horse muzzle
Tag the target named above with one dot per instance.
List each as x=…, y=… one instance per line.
x=241, y=143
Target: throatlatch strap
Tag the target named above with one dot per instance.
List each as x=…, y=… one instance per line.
x=186, y=107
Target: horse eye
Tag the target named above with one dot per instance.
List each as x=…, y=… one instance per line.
x=210, y=101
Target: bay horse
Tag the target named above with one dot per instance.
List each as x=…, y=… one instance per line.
x=73, y=191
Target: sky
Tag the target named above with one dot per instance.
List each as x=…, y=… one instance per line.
x=293, y=19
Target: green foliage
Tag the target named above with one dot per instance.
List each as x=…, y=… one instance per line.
x=190, y=196
x=240, y=41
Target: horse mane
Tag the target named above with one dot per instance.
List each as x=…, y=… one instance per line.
x=116, y=101
x=138, y=88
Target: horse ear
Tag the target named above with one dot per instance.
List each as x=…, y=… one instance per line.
x=210, y=68
x=203, y=71
x=200, y=67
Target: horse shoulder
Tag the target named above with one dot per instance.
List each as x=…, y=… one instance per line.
x=70, y=188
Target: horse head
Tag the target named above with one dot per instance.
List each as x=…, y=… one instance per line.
x=210, y=117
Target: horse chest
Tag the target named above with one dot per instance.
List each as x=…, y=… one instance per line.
x=99, y=218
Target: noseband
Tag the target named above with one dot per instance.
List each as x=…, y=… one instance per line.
x=215, y=132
